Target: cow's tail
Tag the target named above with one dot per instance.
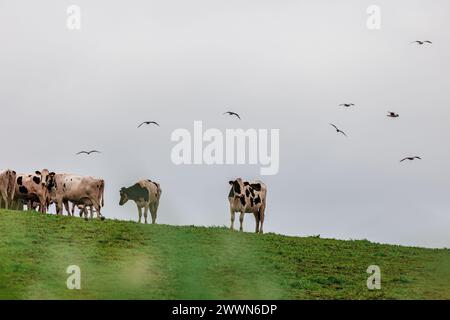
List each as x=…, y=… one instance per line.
x=11, y=186
x=102, y=193
x=159, y=190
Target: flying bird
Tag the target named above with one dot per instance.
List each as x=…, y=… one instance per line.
x=422, y=42
x=148, y=122
x=411, y=158
x=392, y=114
x=88, y=152
x=346, y=105
x=231, y=113
x=338, y=130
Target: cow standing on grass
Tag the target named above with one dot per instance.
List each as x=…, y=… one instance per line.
x=33, y=188
x=145, y=194
x=7, y=188
x=83, y=209
x=87, y=191
x=248, y=197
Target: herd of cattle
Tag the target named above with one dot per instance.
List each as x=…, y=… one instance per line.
x=38, y=191
x=44, y=188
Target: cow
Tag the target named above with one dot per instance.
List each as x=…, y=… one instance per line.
x=7, y=188
x=83, y=209
x=248, y=197
x=145, y=194
x=79, y=190
x=34, y=188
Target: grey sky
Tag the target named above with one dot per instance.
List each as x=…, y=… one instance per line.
x=279, y=64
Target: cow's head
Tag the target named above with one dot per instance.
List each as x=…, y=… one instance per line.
x=9, y=173
x=123, y=196
x=45, y=178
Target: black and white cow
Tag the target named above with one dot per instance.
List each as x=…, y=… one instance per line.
x=145, y=194
x=34, y=188
x=248, y=197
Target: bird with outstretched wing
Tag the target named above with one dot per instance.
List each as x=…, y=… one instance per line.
x=148, y=123
x=338, y=130
x=231, y=113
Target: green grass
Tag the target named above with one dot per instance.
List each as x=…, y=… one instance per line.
x=125, y=260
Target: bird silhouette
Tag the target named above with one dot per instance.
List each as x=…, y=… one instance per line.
x=422, y=42
x=231, y=113
x=411, y=158
x=392, y=114
x=148, y=122
x=338, y=130
x=347, y=105
x=88, y=152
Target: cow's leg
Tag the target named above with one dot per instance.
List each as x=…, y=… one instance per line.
x=84, y=212
x=95, y=205
x=59, y=207
x=257, y=221
x=232, y=214
x=146, y=212
x=154, y=212
x=97, y=209
x=1, y=202
x=42, y=204
x=241, y=220
x=140, y=213
x=4, y=196
x=261, y=218
x=66, y=205
x=73, y=210
x=92, y=212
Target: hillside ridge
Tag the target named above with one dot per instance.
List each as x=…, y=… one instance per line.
x=125, y=260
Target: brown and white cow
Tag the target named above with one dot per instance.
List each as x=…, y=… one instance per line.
x=34, y=188
x=145, y=194
x=7, y=188
x=248, y=197
x=79, y=190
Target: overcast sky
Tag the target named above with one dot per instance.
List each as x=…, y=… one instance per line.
x=279, y=64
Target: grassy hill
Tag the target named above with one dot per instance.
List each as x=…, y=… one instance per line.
x=125, y=260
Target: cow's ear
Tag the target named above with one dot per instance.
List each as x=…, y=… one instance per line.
x=14, y=172
x=38, y=173
x=256, y=186
x=246, y=183
x=52, y=174
x=231, y=182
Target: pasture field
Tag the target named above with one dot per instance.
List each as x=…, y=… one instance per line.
x=125, y=260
